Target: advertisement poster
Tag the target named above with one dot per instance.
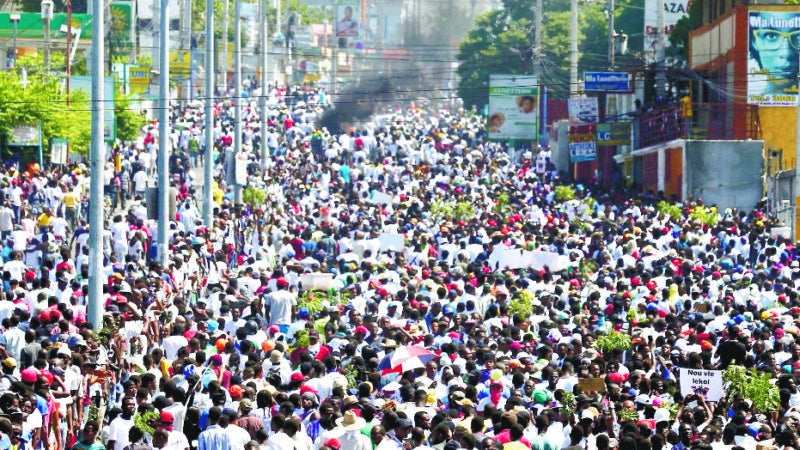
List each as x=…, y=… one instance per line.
x=513, y=107
x=582, y=146
x=120, y=36
x=348, y=13
x=774, y=38
x=583, y=110
x=674, y=10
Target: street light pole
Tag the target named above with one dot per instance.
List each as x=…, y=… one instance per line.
x=97, y=160
x=264, y=81
x=47, y=15
x=69, y=47
x=210, y=69
x=14, y=17
x=237, y=101
x=163, y=134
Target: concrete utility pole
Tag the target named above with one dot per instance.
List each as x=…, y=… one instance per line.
x=661, y=76
x=573, y=48
x=69, y=47
x=186, y=46
x=237, y=101
x=47, y=16
x=264, y=81
x=224, y=65
x=163, y=135
x=335, y=53
x=155, y=27
x=210, y=70
x=611, y=35
x=537, y=41
x=97, y=161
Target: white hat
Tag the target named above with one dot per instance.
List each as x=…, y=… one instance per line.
x=661, y=415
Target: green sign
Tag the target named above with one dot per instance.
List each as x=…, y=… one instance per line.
x=120, y=36
x=31, y=26
x=615, y=133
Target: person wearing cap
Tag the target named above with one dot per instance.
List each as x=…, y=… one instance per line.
x=280, y=303
x=348, y=428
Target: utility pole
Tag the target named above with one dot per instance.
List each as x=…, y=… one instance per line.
x=47, y=16
x=264, y=81
x=573, y=48
x=537, y=41
x=97, y=161
x=611, y=35
x=186, y=46
x=661, y=75
x=237, y=101
x=335, y=52
x=226, y=20
x=69, y=47
x=163, y=135
x=210, y=70
x=154, y=29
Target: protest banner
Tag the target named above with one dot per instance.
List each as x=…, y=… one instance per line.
x=707, y=383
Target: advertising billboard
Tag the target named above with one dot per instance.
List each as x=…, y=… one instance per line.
x=674, y=10
x=348, y=14
x=582, y=146
x=772, y=60
x=513, y=107
x=583, y=110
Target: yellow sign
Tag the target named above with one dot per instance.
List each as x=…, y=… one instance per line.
x=179, y=62
x=139, y=79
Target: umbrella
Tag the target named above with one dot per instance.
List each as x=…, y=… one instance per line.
x=406, y=358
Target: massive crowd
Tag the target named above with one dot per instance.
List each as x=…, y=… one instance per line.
x=405, y=285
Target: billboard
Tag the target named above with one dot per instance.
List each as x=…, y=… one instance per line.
x=583, y=110
x=120, y=34
x=84, y=83
x=614, y=133
x=582, y=146
x=513, y=107
x=348, y=14
x=674, y=10
x=772, y=59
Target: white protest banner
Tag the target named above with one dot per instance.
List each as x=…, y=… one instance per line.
x=707, y=383
x=373, y=245
x=516, y=258
x=317, y=280
x=380, y=198
x=391, y=242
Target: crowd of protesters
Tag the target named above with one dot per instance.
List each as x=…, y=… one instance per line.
x=355, y=300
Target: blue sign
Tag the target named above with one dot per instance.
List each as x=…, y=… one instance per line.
x=607, y=82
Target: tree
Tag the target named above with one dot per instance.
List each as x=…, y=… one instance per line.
x=679, y=38
x=502, y=42
x=129, y=122
x=41, y=101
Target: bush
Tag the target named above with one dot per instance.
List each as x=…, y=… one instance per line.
x=754, y=385
x=254, y=196
x=705, y=215
x=521, y=304
x=671, y=210
x=564, y=193
x=613, y=341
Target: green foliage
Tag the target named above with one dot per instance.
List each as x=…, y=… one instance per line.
x=627, y=415
x=301, y=339
x=129, y=122
x=521, y=304
x=254, y=196
x=705, y=215
x=568, y=403
x=587, y=268
x=42, y=101
x=753, y=385
x=144, y=421
x=613, y=341
x=679, y=37
x=351, y=373
x=669, y=209
x=462, y=210
x=501, y=204
x=313, y=299
x=564, y=193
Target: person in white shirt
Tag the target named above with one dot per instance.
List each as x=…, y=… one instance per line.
x=121, y=425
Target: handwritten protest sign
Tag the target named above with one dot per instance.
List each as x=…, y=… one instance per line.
x=596, y=384
x=707, y=383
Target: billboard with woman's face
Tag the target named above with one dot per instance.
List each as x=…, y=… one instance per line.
x=774, y=39
x=513, y=107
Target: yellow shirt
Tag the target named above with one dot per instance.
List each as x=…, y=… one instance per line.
x=43, y=220
x=69, y=199
x=217, y=194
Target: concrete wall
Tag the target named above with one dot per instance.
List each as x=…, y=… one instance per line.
x=725, y=173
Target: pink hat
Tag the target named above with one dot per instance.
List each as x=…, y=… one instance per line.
x=29, y=375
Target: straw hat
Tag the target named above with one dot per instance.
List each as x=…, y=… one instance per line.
x=350, y=422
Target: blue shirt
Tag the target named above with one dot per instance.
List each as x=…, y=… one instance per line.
x=214, y=438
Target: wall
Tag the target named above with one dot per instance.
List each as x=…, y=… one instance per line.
x=725, y=173
x=778, y=130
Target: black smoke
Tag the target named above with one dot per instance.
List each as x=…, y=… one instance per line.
x=356, y=104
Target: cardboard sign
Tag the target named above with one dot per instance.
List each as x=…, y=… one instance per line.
x=317, y=280
x=595, y=384
x=516, y=258
x=391, y=242
x=707, y=383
